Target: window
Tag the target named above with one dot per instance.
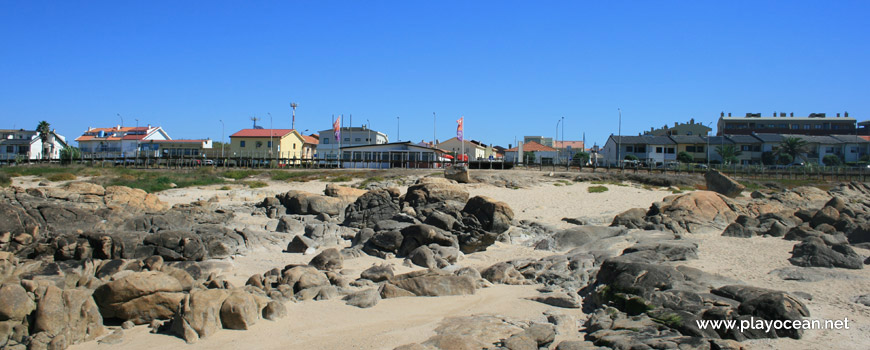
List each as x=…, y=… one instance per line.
x=326, y=141
x=629, y=149
x=347, y=139
x=690, y=149
x=269, y=144
x=771, y=126
x=806, y=126
x=746, y=148
x=795, y=126
x=671, y=150
x=658, y=149
x=688, y=133
x=640, y=149
x=259, y=144
x=782, y=126
x=294, y=146
x=241, y=143
x=9, y=149
x=853, y=149
x=700, y=149
x=357, y=139
x=818, y=126
x=756, y=148
x=829, y=149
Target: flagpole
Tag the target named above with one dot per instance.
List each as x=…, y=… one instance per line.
x=462, y=142
x=340, y=124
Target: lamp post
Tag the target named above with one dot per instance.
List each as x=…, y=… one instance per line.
x=559, y=121
x=222, y=137
x=563, y=137
x=122, y=119
x=293, y=121
x=369, y=126
x=708, y=147
x=398, y=131
x=271, y=132
x=433, y=129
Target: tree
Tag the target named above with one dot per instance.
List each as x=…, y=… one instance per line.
x=784, y=159
x=831, y=160
x=729, y=153
x=685, y=157
x=768, y=158
x=631, y=157
x=581, y=158
x=70, y=153
x=793, y=146
x=44, y=130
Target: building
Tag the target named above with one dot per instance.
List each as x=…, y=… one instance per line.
x=175, y=148
x=567, y=149
x=309, y=148
x=546, y=141
x=117, y=141
x=392, y=155
x=750, y=146
x=649, y=149
x=814, y=124
x=854, y=147
x=27, y=144
x=473, y=150
x=694, y=145
x=266, y=143
x=686, y=129
x=544, y=155
x=328, y=146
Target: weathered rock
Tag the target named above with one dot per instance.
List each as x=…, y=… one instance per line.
x=503, y=273
x=422, y=235
x=494, y=216
x=140, y=297
x=368, y=209
x=559, y=299
x=667, y=250
x=301, y=244
x=378, y=273
x=458, y=173
x=239, y=311
x=423, y=256
x=437, y=285
x=299, y=202
x=363, y=299
x=328, y=260
x=388, y=290
x=274, y=310
x=344, y=193
x=723, y=184
x=16, y=303
x=814, y=252
x=200, y=315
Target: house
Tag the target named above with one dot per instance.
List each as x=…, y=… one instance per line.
x=266, y=143
x=715, y=143
x=117, y=141
x=27, y=144
x=769, y=142
x=309, y=148
x=498, y=152
x=473, y=150
x=817, y=147
x=649, y=149
x=813, y=124
x=391, y=155
x=542, y=154
x=683, y=129
x=854, y=147
x=174, y=148
x=750, y=148
x=694, y=145
x=328, y=146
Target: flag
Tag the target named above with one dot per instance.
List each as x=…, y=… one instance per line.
x=336, y=128
x=459, y=129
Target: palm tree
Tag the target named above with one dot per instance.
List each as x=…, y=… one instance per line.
x=793, y=146
x=729, y=153
x=44, y=130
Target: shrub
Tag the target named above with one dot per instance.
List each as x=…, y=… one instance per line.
x=768, y=158
x=596, y=189
x=785, y=158
x=685, y=157
x=238, y=174
x=831, y=160
x=631, y=157
x=5, y=180
x=60, y=177
x=257, y=184
x=342, y=178
x=224, y=188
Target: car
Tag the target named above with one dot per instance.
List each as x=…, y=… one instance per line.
x=209, y=162
x=700, y=166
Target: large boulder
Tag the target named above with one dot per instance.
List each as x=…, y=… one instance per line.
x=458, y=173
x=368, y=209
x=71, y=312
x=300, y=202
x=16, y=303
x=435, y=284
x=200, y=314
x=422, y=235
x=723, y=184
x=344, y=193
x=328, y=260
x=140, y=297
x=814, y=252
x=177, y=245
x=493, y=216
x=133, y=200
x=239, y=310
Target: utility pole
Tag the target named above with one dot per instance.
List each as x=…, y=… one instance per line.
x=563, y=135
x=271, y=144
x=619, y=139
x=557, y=140
x=433, y=129
x=293, y=121
x=398, y=131
x=222, y=137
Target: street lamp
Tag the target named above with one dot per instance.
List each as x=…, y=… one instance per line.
x=369, y=126
x=619, y=138
x=708, y=147
x=398, y=131
x=558, y=121
x=563, y=136
x=433, y=129
x=222, y=137
x=271, y=132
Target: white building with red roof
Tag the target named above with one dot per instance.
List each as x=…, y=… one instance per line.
x=118, y=141
x=542, y=154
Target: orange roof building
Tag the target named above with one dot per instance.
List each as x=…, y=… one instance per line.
x=118, y=141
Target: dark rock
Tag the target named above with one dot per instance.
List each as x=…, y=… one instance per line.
x=457, y=173
x=437, y=285
x=368, y=209
x=388, y=241
x=737, y=230
x=503, y=273
x=301, y=244
x=826, y=215
x=723, y=184
x=494, y=216
x=440, y=220
x=560, y=299
x=363, y=299
x=668, y=250
x=378, y=273
x=421, y=235
x=423, y=256
x=814, y=252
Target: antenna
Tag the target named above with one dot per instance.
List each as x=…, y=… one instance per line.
x=293, y=122
x=255, y=119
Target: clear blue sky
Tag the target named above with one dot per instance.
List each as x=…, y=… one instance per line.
x=511, y=68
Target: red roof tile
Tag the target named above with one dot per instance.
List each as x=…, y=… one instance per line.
x=565, y=144
x=533, y=146
x=262, y=132
x=310, y=139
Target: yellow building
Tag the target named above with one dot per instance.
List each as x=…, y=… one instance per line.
x=695, y=146
x=267, y=143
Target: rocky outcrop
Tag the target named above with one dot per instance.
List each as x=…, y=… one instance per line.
x=140, y=297
x=458, y=173
x=344, y=193
x=816, y=252
x=684, y=213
